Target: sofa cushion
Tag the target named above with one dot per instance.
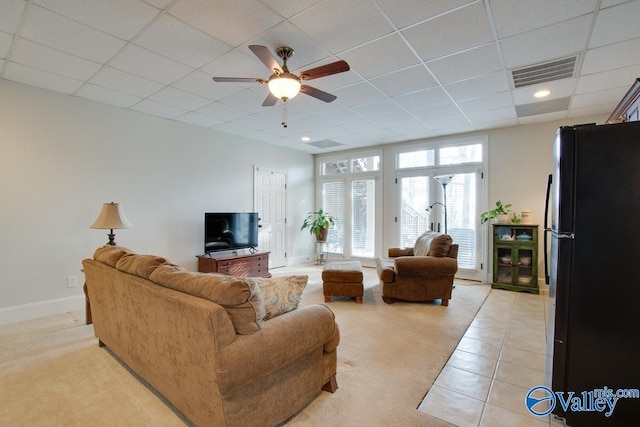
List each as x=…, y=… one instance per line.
x=440, y=245
x=280, y=294
x=139, y=265
x=240, y=297
x=110, y=254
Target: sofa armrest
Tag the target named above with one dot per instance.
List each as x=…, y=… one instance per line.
x=282, y=340
x=396, y=252
x=425, y=266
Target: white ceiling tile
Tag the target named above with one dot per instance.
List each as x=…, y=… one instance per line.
x=198, y=120
x=515, y=17
x=361, y=93
x=288, y=8
x=121, y=19
x=479, y=86
x=405, y=81
x=145, y=63
x=52, y=30
x=427, y=98
x=620, y=55
x=462, y=29
x=607, y=79
x=124, y=82
x=601, y=97
x=608, y=3
x=158, y=109
x=616, y=24
x=431, y=116
x=231, y=21
x=237, y=63
x=541, y=118
x=365, y=60
x=413, y=11
x=5, y=44
x=10, y=14
x=493, y=115
x=489, y=102
x=221, y=111
x=42, y=79
x=604, y=109
x=201, y=84
x=159, y=3
x=377, y=109
x=232, y=128
x=180, y=42
x=552, y=42
x=180, y=99
x=107, y=96
x=340, y=25
x=250, y=100
x=496, y=124
x=52, y=61
x=467, y=64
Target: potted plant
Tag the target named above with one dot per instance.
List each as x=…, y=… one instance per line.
x=318, y=224
x=500, y=213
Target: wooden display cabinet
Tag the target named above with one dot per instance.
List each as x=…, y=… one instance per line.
x=252, y=264
x=515, y=257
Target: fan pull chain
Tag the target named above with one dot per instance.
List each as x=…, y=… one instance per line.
x=284, y=114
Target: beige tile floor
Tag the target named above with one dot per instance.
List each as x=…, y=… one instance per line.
x=498, y=360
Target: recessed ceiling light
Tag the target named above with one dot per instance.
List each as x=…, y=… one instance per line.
x=306, y=138
x=542, y=93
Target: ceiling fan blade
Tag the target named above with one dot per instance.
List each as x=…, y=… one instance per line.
x=317, y=93
x=266, y=57
x=325, y=70
x=238, y=79
x=270, y=100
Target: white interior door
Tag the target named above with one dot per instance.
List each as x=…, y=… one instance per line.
x=270, y=201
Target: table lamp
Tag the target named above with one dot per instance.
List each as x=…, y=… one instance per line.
x=111, y=217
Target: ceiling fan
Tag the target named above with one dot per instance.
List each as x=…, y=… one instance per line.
x=284, y=85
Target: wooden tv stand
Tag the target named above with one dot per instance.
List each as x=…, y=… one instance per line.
x=252, y=264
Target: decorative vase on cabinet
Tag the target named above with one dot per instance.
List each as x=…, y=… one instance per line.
x=515, y=257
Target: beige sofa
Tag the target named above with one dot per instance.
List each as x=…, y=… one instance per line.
x=422, y=273
x=212, y=344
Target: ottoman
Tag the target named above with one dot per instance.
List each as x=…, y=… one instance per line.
x=342, y=278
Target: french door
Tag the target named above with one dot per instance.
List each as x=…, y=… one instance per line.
x=423, y=205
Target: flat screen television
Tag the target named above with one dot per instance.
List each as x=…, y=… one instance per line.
x=230, y=231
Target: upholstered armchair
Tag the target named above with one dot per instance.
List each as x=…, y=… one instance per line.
x=422, y=273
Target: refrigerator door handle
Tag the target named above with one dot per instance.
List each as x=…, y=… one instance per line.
x=547, y=230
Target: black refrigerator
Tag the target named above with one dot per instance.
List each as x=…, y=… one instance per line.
x=593, y=269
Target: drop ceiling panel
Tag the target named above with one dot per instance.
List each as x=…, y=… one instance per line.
x=55, y=31
x=107, y=96
x=516, y=17
x=180, y=99
x=42, y=79
x=199, y=83
x=234, y=22
x=464, y=65
x=462, y=29
x=616, y=24
x=5, y=44
x=171, y=38
x=144, y=63
x=157, y=109
x=121, y=19
x=490, y=102
x=405, y=81
x=125, y=82
x=53, y=61
x=559, y=89
x=607, y=79
x=365, y=60
x=414, y=11
x=340, y=25
x=427, y=98
x=198, y=120
x=361, y=93
x=479, y=86
x=552, y=42
x=606, y=58
x=10, y=14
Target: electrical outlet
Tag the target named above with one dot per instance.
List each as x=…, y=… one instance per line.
x=72, y=282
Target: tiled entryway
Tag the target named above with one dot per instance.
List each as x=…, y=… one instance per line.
x=498, y=360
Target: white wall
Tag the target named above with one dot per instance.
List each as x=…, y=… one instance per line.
x=62, y=157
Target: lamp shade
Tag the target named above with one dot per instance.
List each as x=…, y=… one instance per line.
x=111, y=217
x=444, y=179
x=285, y=86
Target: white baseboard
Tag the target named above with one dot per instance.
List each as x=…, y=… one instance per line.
x=38, y=309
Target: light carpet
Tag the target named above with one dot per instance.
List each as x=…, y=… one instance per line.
x=52, y=371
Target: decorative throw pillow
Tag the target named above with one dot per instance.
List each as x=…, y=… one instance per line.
x=281, y=294
x=440, y=245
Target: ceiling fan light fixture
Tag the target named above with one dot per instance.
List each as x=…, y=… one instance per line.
x=285, y=86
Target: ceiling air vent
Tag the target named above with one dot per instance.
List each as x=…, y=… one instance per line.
x=546, y=72
x=325, y=143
